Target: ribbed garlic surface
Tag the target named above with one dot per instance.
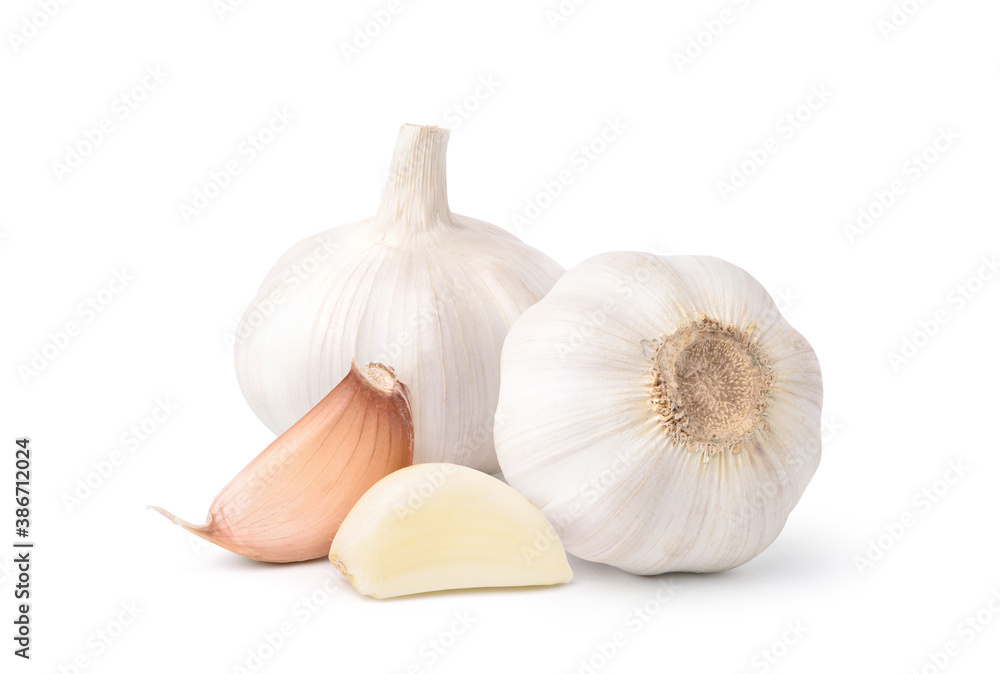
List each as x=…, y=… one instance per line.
x=660, y=412
x=425, y=291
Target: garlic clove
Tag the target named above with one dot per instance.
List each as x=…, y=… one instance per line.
x=287, y=504
x=440, y=526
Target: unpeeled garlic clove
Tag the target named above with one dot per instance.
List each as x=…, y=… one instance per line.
x=440, y=526
x=288, y=503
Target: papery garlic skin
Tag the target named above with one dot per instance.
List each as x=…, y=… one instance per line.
x=660, y=412
x=287, y=504
x=416, y=287
x=441, y=526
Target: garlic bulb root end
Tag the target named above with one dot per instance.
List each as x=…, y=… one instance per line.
x=709, y=385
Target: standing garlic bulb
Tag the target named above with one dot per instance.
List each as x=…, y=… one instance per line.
x=428, y=292
x=660, y=412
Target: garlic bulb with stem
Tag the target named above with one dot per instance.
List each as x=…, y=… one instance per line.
x=287, y=504
x=660, y=412
x=416, y=287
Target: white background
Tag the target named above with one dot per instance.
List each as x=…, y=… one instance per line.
x=864, y=599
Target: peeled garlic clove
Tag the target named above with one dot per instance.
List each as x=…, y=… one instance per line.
x=288, y=503
x=660, y=412
x=439, y=526
x=417, y=287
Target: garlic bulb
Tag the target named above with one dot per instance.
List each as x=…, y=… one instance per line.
x=440, y=526
x=287, y=504
x=416, y=287
x=660, y=412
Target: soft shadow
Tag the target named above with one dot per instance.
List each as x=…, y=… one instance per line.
x=794, y=557
x=225, y=560
x=520, y=589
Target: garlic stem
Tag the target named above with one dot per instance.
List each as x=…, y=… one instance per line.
x=415, y=197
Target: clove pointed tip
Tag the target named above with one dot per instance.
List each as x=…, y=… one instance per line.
x=175, y=519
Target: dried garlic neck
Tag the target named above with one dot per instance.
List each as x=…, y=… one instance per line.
x=380, y=377
x=415, y=198
x=710, y=386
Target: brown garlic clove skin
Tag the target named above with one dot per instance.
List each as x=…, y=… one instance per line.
x=289, y=502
